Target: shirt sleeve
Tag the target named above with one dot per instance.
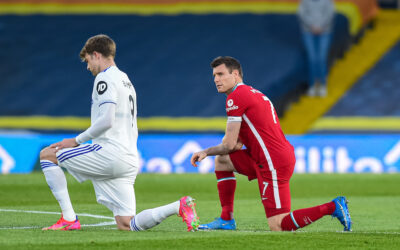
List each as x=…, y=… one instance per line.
x=105, y=91
x=104, y=121
x=235, y=108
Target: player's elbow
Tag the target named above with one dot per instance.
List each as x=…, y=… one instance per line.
x=110, y=123
x=106, y=125
x=229, y=146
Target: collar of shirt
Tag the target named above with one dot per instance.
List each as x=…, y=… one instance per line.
x=107, y=68
x=234, y=88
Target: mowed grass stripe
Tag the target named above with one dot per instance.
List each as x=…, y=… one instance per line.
x=374, y=204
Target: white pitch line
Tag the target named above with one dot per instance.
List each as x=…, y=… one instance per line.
x=45, y=212
x=6, y=228
x=99, y=224
x=107, y=223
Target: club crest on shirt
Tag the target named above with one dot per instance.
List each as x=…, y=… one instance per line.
x=101, y=87
x=230, y=105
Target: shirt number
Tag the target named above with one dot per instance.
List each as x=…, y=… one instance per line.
x=272, y=108
x=132, y=106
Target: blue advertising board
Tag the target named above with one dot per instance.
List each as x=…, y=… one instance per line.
x=169, y=153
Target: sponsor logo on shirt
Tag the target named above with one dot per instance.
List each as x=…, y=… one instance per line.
x=230, y=105
x=101, y=87
x=232, y=108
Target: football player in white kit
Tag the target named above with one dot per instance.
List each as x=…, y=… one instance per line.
x=111, y=161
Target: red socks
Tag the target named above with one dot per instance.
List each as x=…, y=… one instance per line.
x=303, y=217
x=226, y=190
x=293, y=221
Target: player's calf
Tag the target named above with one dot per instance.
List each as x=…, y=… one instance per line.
x=304, y=217
x=149, y=218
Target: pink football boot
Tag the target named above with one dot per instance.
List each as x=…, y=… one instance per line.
x=65, y=225
x=188, y=213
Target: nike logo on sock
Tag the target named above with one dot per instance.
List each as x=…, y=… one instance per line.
x=307, y=220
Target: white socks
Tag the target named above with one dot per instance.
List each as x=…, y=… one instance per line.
x=152, y=217
x=58, y=184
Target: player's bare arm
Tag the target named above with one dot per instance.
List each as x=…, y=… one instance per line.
x=239, y=145
x=230, y=143
x=66, y=143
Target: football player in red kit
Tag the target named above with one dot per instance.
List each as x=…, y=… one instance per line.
x=268, y=156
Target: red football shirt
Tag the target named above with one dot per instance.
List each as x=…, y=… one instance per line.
x=260, y=130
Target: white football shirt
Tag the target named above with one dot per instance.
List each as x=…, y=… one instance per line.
x=113, y=87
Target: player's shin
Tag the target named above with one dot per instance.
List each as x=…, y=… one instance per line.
x=152, y=217
x=226, y=184
x=303, y=217
x=58, y=184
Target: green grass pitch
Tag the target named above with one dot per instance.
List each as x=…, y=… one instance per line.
x=374, y=207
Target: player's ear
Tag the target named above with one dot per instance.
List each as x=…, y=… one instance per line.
x=235, y=72
x=96, y=55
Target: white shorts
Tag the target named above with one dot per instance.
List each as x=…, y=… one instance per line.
x=111, y=175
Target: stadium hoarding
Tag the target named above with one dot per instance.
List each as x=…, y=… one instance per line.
x=170, y=153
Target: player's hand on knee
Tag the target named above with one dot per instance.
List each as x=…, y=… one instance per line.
x=238, y=146
x=197, y=157
x=66, y=143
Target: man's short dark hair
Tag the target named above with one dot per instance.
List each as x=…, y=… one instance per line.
x=230, y=62
x=102, y=44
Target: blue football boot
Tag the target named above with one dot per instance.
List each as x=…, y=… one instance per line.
x=219, y=224
x=342, y=212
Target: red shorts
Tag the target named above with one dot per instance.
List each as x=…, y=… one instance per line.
x=273, y=183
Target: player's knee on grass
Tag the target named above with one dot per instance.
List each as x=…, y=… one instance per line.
x=223, y=163
x=123, y=222
x=275, y=221
x=48, y=154
x=275, y=228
